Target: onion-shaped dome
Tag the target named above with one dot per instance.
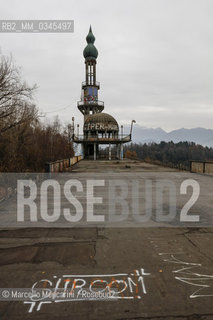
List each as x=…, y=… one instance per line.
x=90, y=52
x=100, y=122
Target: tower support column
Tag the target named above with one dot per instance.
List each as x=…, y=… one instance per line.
x=118, y=151
x=110, y=152
x=94, y=151
x=82, y=151
x=122, y=152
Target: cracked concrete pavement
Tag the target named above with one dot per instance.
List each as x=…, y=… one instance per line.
x=176, y=263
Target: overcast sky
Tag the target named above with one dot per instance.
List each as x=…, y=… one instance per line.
x=155, y=60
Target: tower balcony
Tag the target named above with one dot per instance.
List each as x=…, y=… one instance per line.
x=90, y=103
x=86, y=107
x=87, y=84
x=121, y=138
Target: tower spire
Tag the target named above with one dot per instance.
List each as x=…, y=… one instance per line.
x=90, y=52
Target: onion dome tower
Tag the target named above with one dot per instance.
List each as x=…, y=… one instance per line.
x=99, y=128
x=89, y=103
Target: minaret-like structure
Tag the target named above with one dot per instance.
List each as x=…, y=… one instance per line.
x=89, y=103
x=99, y=128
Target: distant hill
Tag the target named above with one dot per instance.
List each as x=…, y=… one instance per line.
x=198, y=135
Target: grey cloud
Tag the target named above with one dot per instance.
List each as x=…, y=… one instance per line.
x=155, y=58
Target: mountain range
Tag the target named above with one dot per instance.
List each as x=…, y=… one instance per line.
x=198, y=135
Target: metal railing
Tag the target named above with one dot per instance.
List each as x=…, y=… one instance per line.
x=84, y=83
x=118, y=138
x=88, y=103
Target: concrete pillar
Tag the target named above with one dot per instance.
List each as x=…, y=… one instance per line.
x=94, y=73
x=122, y=131
x=97, y=151
x=86, y=65
x=118, y=151
x=94, y=151
x=122, y=152
x=82, y=151
x=110, y=152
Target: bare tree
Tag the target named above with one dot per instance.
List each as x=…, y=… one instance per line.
x=16, y=97
x=25, y=143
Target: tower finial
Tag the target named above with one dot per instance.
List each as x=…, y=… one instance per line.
x=90, y=51
x=90, y=37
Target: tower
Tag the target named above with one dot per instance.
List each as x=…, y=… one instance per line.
x=99, y=128
x=89, y=103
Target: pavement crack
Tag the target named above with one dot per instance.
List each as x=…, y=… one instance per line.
x=197, y=247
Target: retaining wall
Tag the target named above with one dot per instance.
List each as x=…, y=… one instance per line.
x=61, y=165
x=201, y=167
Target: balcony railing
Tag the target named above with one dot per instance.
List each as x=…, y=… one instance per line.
x=91, y=102
x=119, y=138
x=84, y=83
